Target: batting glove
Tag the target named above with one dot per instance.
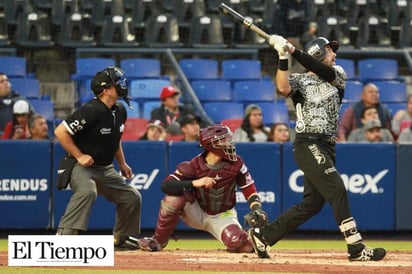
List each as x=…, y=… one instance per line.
x=281, y=45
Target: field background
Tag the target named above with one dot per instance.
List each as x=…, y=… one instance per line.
x=301, y=253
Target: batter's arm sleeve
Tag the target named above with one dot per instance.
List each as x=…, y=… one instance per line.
x=324, y=71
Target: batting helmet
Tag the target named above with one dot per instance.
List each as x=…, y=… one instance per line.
x=218, y=139
x=316, y=47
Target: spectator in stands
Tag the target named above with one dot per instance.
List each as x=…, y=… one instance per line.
x=403, y=116
x=18, y=127
x=7, y=99
x=351, y=118
x=405, y=137
x=279, y=133
x=252, y=128
x=155, y=131
x=190, y=128
x=170, y=110
x=373, y=132
x=369, y=114
x=38, y=127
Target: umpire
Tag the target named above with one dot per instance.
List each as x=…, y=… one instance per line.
x=92, y=135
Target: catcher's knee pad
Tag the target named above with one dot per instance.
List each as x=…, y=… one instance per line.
x=169, y=215
x=236, y=239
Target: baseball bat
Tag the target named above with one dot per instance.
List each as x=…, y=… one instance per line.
x=241, y=19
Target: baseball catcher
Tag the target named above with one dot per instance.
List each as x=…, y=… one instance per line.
x=201, y=192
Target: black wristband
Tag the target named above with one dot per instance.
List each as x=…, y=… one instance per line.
x=283, y=64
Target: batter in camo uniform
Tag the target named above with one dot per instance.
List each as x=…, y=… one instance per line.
x=203, y=193
x=317, y=96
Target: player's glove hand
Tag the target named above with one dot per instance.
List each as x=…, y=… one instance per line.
x=256, y=218
x=281, y=45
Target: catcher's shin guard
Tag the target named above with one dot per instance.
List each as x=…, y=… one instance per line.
x=236, y=239
x=169, y=214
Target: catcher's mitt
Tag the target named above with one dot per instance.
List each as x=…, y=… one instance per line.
x=256, y=218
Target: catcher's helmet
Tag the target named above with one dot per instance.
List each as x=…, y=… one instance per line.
x=316, y=47
x=218, y=139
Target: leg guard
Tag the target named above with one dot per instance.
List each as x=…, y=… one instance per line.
x=352, y=236
x=236, y=239
x=169, y=214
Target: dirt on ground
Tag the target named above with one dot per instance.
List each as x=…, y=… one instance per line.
x=295, y=261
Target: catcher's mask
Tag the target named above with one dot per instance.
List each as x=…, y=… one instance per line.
x=218, y=139
x=316, y=47
x=111, y=76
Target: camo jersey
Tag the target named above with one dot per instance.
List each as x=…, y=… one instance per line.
x=317, y=101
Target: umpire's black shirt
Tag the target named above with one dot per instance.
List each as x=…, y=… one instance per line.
x=96, y=129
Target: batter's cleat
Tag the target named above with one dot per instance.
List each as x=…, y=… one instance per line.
x=149, y=244
x=125, y=243
x=259, y=243
x=367, y=254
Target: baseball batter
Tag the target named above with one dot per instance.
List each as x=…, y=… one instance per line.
x=317, y=96
x=92, y=135
x=202, y=193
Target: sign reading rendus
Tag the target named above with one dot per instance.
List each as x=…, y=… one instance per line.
x=52, y=250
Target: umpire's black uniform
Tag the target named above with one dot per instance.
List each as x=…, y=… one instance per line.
x=96, y=130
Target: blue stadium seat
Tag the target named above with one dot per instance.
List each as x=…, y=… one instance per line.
x=349, y=67
x=13, y=66
x=196, y=69
x=237, y=69
x=343, y=108
x=395, y=107
x=149, y=106
x=254, y=91
x=43, y=107
x=378, y=69
x=88, y=67
x=218, y=111
x=274, y=112
x=141, y=68
x=392, y=91
x=131, y=113
x=353, y=91
x=147, y=89
x=27, y=87
x=212, y=90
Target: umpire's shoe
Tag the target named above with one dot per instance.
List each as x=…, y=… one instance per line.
x=260, y=245
x=149, y=244
x=125, y=243
x=365, y=253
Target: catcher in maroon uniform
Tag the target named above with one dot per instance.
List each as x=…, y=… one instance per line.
x=202, y=193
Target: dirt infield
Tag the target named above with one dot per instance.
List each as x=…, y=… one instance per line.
x=303, y=261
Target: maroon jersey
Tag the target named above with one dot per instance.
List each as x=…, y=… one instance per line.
x=228, y=175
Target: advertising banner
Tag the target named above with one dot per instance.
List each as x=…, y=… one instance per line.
x=369, y=179
x=25, y=178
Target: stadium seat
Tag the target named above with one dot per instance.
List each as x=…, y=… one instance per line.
x=134, y=128
x=133, y=112
x=218, y=111
x=4, y=34
x=207, y=32
x=15, y=9
x=147, y=89
x=343, y=108
x=116, y=32
x=246, y=38
x=27, y=87
x=88, y=67
x=318, y=9
x=233, y=124
x=405, y=124
x=238, y=69
x=142, y=11
x=43, y=107
x=395, y=107
x=162, y=30
x=348, y=65
x=100, y=10
x=212, y=90
x=353, y=91
x=141, y=68
x=196, y=69
x=13, y=66
x=60, y=9
x=149, y=106
x=392, y=91
x=76, y=31
x=253, y=91
x=33, y=30
x=274, y=113
x=185, y=11
x=335, y=28
x=378, y=69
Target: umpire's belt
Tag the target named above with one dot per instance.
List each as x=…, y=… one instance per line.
x=330, y=139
